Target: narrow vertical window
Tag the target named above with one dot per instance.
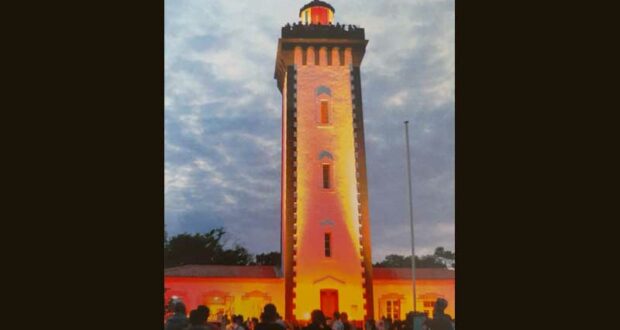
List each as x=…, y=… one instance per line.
x=324, y=112
x=326, y=172
x=328, y=244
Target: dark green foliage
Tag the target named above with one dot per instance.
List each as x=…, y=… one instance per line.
x=441, y=252
x=269, y=259
x=448, y=256
x=203, y=249
x=429, y=261
x=394, y=260
x=437, y=260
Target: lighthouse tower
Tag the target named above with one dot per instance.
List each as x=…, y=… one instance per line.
x=325, y=223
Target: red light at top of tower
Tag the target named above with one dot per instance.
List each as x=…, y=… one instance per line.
x=317, y=12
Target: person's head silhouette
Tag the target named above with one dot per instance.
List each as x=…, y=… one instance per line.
x=270, y=313
x=197, y=317
x=318, y=317
x=179, y=308
x=440, y=306
x=204, y=310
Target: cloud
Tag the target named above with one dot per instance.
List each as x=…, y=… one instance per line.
x=222, y=118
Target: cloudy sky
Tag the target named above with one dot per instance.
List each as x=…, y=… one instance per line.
x=223, y=116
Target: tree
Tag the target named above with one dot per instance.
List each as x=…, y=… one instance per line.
x=447, y=257
x=394, y=260
x=440, y=259
x=269, y=259
x=428, y=261
x=204, y=249
x=238, y=255
x=442, y=253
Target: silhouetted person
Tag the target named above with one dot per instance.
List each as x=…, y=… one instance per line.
x=408, y=323
x=179, y=320
x=198, y=320
x=337, y=323
x=203, y=309
x=204, y=314
x=440, y=320
x=280, y=321
x=225, y=323
x=381, y=324
x=370, y=324
x=169, y=310
x=254, y=323
x=344, y=317
x=318, y=321
x=387, y=324
x=269, y=319
x=238, y=323
x=295, y=325
x=231, y=323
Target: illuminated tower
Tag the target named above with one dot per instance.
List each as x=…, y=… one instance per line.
x=325, y=223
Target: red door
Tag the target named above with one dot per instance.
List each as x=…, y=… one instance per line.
x=329, y=302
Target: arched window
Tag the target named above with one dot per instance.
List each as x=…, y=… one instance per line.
x=328, y=244
x=327, y=169
x=327, y=184
x=323, y=100
x=324, y=116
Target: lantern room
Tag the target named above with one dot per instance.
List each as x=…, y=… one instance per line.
x=317, y=12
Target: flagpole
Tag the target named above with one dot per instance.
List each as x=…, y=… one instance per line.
x=411, y=217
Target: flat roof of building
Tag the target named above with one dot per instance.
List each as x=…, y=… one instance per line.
x=222, y=271
x=225, y=271
x=388, y=273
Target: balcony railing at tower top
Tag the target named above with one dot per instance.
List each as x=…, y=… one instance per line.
x=338, y=31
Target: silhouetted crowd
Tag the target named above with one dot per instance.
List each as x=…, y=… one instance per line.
x=271, y=320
